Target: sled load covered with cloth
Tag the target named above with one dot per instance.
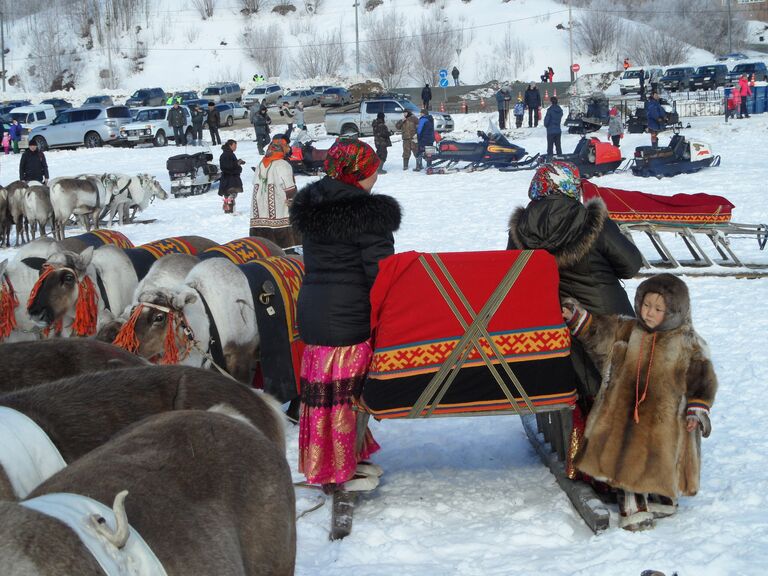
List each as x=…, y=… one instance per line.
x=470, y=334
x=687, y=216
x=191, y=174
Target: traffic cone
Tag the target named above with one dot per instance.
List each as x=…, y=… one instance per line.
x=464, y=106
x=482, y=103
x=442, y=106
x=554, y=92
x=546, y=94
x=519, y=95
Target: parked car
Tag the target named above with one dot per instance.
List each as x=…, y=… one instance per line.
x=306, y=97
x=89, y=127
x=186, y=96
x=34, y=115
x=238, y=110
x=335, y=97
x=58, y=104
x=224, y=92
x=146, y=97
x=226, y=113
x=732, y=56
x=98, y=101
x=749, y=68
x=319, y=89
x=677, y=78
x=151, y=125
x=709, y=77
x=630, y=79
x=6, y=107
x=360, y=118
x=202, y=102
x=267, y=92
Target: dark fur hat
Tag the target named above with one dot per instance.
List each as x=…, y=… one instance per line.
x=676, y=298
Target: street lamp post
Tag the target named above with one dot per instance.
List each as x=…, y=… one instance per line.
x=570, y=38
x=357, y=40
x=458, y=58
x=730, y=44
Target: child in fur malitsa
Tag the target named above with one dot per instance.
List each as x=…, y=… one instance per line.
x=643, y=435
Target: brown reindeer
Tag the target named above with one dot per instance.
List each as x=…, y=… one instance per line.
x=81, y=413
x=208, y=494
x=26, y=364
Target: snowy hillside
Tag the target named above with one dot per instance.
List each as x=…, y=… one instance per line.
x=173, y=47
x=469, y=496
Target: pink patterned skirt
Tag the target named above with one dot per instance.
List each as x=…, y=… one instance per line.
x=331, y=378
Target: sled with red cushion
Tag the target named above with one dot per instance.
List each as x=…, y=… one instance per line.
x=686, y=216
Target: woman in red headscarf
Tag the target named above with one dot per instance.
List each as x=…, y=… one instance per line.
x=346, y=231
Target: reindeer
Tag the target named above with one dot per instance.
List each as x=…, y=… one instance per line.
x=173, y=325
x=132, y=192
x=80, y=414
x=84, y=197
x=16, y=191
x=37, y=208
x=5, y=226
x=218, y=500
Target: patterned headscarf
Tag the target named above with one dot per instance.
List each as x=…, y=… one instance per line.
x=556, y=177
x=351, y=161
x=276, y=150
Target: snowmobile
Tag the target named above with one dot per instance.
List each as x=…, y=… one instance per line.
x=595, y=116
x=681, y=156
x=492, y=151
x=306, y=159
x=191, y=174
x=638, y=122
x=593, y=157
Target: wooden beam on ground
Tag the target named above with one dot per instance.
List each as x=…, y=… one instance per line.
x=342, y=514
x=584, y=499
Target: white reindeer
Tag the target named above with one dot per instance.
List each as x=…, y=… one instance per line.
x=132, y=193
x=37, y=208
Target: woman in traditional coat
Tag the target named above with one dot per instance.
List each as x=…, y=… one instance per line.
x=230, y=184
x=273, y=192
x=346, y=231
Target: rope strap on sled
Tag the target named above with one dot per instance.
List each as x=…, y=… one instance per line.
x=448, y=371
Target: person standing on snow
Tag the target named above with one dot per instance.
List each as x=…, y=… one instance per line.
x=381, y=139
x=214, y=121
x=532, y=100
x=501, y=104
x=15, y=131
x=615, y=126
x=745, y=91
x=230, y=184
x=425, y=134
x=655, y=115
x=198, y=118
x=408, y=125
x=426, y=95
x=32, y=165
x=260, y=120
x=626, y=63
x=552, y=121
x=519, y=111
x=177, y=120
x=285, y=111
x=455, y=74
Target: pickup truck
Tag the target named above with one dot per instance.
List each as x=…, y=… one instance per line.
x=360, y=116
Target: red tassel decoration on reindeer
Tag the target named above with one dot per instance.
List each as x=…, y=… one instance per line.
x=126, y=337
x=86, y=310
x=8, y=304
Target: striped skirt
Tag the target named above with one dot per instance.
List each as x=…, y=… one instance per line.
x=331, y=379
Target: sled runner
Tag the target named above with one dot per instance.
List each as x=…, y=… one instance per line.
x=191, y=174
x=455, y=335
x=686, y=216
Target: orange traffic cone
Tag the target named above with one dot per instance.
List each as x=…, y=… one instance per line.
x=554, y=92
x=442, y=106
x=482, y=103
x=464, y=106
x=546, y=94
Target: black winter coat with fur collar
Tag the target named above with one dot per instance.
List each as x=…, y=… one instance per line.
x=591, y=252
x=346, y=232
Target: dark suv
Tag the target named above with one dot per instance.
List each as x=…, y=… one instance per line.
x=677, y=78
x=749, y=68
x=709, y=77
x=146, y=97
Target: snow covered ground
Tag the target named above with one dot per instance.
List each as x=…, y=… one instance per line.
x=468, y=496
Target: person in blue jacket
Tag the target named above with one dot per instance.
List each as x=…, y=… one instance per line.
x=425, y=136
x=552, y=120
x=532, y=100
x=15, y=131
x=656, y=117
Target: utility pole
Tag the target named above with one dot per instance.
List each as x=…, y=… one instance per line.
x=730, y=44
x=570, y=38
x=109, y=52
x=2, y=45
x=357, y=41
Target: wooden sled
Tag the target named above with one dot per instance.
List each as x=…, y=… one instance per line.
x=688, y=217
x=456, y=334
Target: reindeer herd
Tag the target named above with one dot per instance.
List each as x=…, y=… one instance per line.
x=138, y=468
x=89, y=198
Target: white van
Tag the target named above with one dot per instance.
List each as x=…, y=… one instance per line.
x=31, y=116
x=630, y=80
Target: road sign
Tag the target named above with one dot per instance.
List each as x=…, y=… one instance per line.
x=575, y=67
x=444, y=82
x=443, y=73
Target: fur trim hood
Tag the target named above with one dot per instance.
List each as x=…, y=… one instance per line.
x=562, y=226
x=676, y=299
x=330, y=210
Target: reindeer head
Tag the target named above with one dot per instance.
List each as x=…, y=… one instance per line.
x=152, y=186
x=61, y=287
x=156, y=327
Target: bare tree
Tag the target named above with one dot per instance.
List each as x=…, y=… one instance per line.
x=652, y=47
x=252, y=6
x=514, y=57
x=264, y=45
x=321, y=56
x=434, y=44
x=53, y=61
x=598, y=36
x=387, y=53
x=205, y=8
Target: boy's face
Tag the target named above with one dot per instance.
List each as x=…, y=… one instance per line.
x=653, y=309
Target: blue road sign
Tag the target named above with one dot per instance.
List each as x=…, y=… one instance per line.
x=444, y=82
x=443, y=73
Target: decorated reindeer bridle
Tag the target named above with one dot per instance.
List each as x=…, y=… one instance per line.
x=86, y=308
x=9, y=301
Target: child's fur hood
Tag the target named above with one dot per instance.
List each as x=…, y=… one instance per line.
x=676, y=299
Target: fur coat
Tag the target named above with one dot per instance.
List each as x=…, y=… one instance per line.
x=644, y=446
